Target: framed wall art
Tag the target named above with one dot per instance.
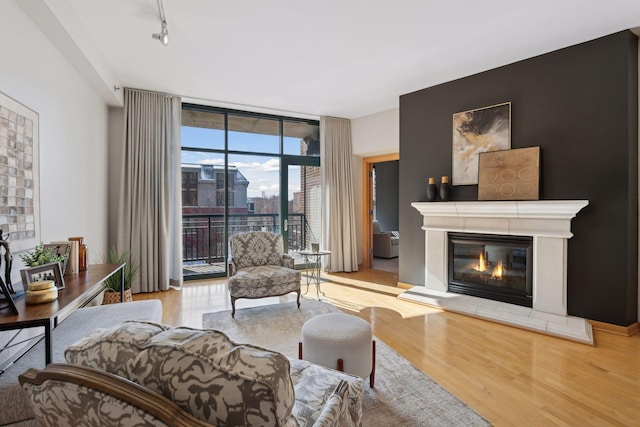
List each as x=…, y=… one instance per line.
x=19, y=174
x=509, y=174
x=478, y=131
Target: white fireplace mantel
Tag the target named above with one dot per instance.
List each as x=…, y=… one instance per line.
x=548, y=222
x=550, y=218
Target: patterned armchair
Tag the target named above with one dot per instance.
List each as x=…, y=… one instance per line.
x=258, y=267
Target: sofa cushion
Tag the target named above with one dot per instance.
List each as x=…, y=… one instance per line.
x=203, y=371
x=216, y=379
x=114, y=349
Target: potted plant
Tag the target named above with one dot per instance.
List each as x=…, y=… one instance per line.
x=41, y=256
x=112, y=284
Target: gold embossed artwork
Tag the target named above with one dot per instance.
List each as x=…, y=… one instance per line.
x=477, y=131
x=509, y=174
x=19, y=197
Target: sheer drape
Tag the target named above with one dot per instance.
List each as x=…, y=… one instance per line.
x=149, y=213
x=338, y=208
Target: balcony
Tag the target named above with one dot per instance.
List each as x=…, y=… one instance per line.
x=204, y=244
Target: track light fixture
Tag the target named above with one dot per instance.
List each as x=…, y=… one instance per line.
x=163, y=35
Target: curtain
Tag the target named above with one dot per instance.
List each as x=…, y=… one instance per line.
x=338, y=209
x=149, y=219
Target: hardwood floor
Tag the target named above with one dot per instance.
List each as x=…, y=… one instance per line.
x=510, y=376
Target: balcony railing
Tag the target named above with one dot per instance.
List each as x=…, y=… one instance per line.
x=203, y=238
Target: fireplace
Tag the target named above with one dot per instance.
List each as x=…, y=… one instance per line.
x=546, y=225
x=491, y=266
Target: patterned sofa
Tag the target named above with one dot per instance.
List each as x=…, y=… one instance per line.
x=258, y=267
x=136, y=367
x=16, y=409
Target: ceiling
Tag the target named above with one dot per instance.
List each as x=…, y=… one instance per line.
x=312, y=58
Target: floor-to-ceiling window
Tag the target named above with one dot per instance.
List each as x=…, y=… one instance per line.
x=245, y=171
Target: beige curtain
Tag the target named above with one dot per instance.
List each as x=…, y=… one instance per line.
x=338, y=208
x=149, y=213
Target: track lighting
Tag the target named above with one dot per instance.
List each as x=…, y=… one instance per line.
x=163, y=35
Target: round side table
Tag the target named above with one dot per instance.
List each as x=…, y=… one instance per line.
x=313, y=264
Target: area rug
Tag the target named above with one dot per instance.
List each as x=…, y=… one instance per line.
x=403, y=395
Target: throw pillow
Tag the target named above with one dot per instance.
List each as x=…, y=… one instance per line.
x=217, y=380
x=115, y=349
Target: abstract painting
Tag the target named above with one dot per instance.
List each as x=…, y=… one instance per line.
x=509, y=174
x=478, y=131
x=19, y=196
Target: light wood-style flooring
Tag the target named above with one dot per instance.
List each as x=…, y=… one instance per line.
x=510, y=376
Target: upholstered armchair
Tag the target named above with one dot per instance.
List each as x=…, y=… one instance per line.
x=386, y=244
x=258, y=267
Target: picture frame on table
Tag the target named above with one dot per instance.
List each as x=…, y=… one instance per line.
x=63, y=249
x=51, y=271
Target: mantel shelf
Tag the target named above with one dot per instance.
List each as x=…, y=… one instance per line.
x=539, y=209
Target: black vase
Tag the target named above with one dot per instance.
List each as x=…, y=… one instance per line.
x=432, y=192
x=445, y=191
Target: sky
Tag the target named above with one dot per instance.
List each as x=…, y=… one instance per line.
x=262, y=171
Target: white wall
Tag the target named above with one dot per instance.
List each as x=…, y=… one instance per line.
x=73, y=136
x=371, y=135
x=73, y=141
x=376, y=134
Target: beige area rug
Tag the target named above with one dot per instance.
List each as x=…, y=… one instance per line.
x=403, y=395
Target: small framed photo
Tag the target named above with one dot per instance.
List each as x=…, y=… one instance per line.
x=50, y=271
x=62, y=249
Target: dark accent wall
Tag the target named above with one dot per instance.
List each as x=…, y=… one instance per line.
x=580, y=104
x=387, y=174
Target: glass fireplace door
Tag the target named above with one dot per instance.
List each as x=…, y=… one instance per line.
x=491, y=266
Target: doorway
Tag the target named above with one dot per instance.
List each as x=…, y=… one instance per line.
x=374, y=210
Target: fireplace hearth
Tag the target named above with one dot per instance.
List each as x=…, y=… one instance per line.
x=491, y=266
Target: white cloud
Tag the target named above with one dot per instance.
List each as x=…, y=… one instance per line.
x=211, y=162
x=271, y=165
x=262, y=174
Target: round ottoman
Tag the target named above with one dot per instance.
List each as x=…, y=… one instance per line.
x=342, y=341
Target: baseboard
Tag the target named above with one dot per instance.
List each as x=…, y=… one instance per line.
x=627, y=331
x=403, y=285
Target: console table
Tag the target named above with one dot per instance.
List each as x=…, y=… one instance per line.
x=79, y=290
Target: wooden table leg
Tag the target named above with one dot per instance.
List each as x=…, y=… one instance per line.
x=372, y=377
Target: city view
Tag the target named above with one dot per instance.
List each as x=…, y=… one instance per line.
x=259, y=174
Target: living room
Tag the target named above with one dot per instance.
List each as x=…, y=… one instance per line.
x=76, y=101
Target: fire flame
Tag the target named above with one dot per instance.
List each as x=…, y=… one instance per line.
x=498, y=272
x=481, y=266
